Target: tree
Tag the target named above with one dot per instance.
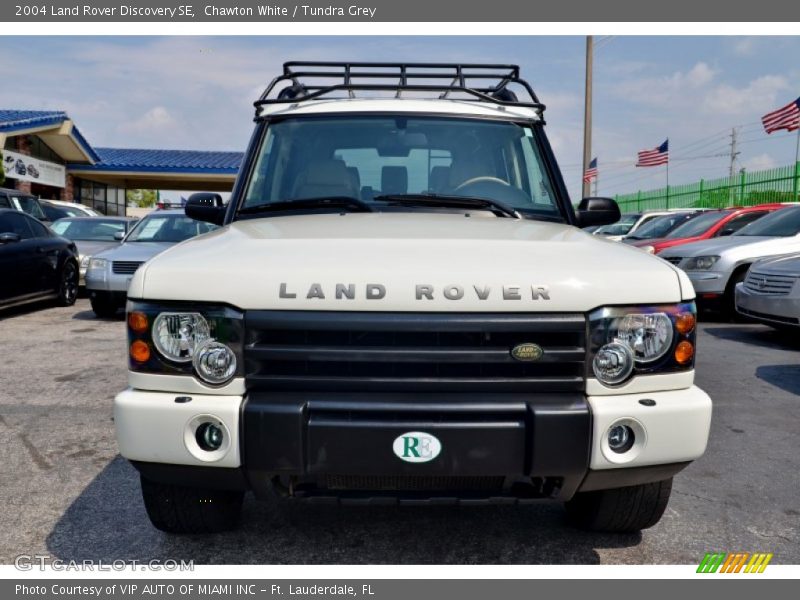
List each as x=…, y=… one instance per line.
x=141, y=198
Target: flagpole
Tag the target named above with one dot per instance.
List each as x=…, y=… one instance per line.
x=796, y=160
x=667, y=207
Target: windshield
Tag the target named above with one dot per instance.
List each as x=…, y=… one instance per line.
x=658, y=227
x=159, y=227
x=782, y=223
x=364, y=157
x=88, y=229
x=698, y=225
x=621, y=227
x=28, y=205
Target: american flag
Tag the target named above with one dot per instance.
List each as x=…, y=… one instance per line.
x=787, y=117
x=656, y=156
x=591, y=172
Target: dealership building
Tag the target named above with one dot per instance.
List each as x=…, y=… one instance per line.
x=45, y=154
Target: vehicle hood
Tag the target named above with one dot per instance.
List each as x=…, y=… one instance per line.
x=90, y=248
x=788, y=265
x=133, y=251
x=245, y=264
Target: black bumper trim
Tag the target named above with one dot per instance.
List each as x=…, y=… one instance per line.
x=218, y=478
x=626, y=477
x=303, y=436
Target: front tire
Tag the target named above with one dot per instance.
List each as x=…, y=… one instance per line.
x=68, y=283
x=104, y=306
x=180, y=509
x=620, y=510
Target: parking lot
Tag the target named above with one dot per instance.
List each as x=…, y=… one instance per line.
x=66, y=492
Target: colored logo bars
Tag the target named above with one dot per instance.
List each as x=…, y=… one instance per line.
x=736, y=562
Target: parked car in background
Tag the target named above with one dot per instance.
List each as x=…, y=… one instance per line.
x=93, y=235
x=27, y=203
x=658, y=227
x=630, y=222
x=110, y=271
x=54, y=211
x=770, y=293
x=716, y=265
x=710, y=224
x=35, y=263
x=87, y=211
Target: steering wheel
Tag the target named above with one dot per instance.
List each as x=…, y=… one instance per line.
x=480, y=179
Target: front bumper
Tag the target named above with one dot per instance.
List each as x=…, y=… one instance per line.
x=104, y=280
x=708, y=282
x=769, y=308
x=324, y=444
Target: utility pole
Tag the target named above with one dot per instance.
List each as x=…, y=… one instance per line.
x=734, y=153
x=587, y=114
x=732, y=172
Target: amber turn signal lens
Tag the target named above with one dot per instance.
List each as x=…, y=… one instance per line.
x=685, y=322
x=140, y=351
x=684, y=352
x=137, y=321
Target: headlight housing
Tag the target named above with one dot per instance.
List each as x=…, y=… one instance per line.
x=700, y=263
x=639, y=340
x=204, y=341
x=98, y=263
x=84, y=261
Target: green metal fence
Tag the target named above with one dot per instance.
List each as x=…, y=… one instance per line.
x=744, y=189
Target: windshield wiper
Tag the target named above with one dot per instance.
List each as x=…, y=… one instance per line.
x=449, y=202
x=338, y=202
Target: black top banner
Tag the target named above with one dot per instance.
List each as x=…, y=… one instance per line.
x=182, y=11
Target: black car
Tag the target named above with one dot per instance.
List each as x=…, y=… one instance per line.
x=19, y=167
x=35, y=263
x=21, y=201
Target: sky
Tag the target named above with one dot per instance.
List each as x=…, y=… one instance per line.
x=197, y=92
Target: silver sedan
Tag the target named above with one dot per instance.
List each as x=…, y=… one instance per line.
x=716, y=265
x=771, y=292
x=110, y=272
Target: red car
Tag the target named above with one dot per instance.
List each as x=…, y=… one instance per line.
x=709, y=224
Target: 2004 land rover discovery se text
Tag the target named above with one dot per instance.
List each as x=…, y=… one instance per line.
x=401, y=308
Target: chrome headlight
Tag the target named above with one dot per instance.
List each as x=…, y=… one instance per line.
x=205, y=341
x=627, y=341
x=700, y=263
x=176, y=336
x=98, y=263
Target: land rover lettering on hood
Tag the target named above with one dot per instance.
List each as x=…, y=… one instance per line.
x=399, y=306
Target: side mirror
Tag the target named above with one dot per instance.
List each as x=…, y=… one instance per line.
x=9, y=238
x=597, y=211
x=118, y=235
x=207, y=207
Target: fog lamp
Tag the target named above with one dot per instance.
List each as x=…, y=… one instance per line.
x=620, y=438
x=209, y=437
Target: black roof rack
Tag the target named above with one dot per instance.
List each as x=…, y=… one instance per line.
x=484, y=82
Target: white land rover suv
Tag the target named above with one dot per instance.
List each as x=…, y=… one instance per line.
x=400, y=308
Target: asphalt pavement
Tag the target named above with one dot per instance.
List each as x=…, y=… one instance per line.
x=66, y=493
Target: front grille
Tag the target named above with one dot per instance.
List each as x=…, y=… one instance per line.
x=773, y=285
x=407, y=483
x=125, y=267
x=675, y=260
x=425, y=352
